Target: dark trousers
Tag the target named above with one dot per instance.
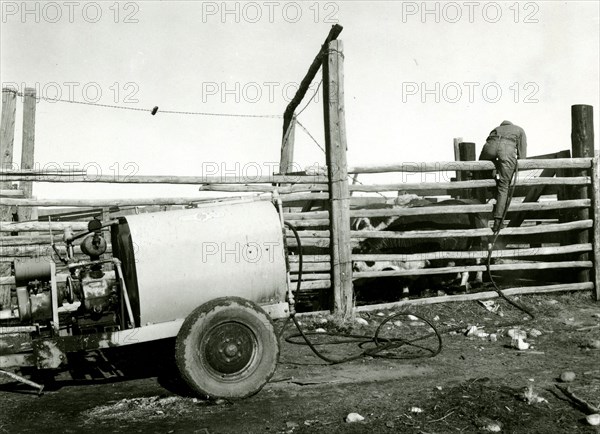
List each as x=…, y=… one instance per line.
x=503, y=154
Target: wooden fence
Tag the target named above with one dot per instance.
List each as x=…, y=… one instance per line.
x=322, y=206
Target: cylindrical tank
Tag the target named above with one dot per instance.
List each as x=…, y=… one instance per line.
x=187, y=257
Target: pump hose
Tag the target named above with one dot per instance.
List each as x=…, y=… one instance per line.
x=380, y=344
x=493, y=243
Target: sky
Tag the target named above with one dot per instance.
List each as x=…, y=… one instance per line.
x=416, y=75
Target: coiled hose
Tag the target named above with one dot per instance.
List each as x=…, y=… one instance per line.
x=381, y=344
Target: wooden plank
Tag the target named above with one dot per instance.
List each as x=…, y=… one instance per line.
x=310, y=267
x=11, y=193
x=337, y=169
x=465, y=233
x=310, y=276
x=483, y=183
x=163, y=179
x=451, y=255
x=309, y=233
x=478, y=209
x=308, y=223
x=596, y=232
x=473, y=268
x=334, y=32
x=309, y=215
x=560, y=154
x=265, y=188
x=309, y=242
x=41, y=226
x=315, y=284
x=310, y=258
x=488, y=295
x=439, y=166
x=457, y=233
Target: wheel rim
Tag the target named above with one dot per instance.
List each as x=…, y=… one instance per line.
x=229, y=350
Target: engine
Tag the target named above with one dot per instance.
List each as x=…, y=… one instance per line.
x=77, y=296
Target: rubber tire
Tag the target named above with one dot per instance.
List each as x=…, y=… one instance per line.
x=196, y=331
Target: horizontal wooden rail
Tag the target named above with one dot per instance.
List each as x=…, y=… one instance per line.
x=264, y=188
x=487, y=295
x=11, y=193
x=437, y=166
x=162, y=179
x=309, y=242
x=43, y=226
x=449, y=209
x=464, y=185
x=462, y=233
x=309, y=258
x=115, y=202
x=311, y=276
x=315, y=284
x=470, y=268
x=311, y=267
x=308, y=223
x=310, y=215
x=451, y=255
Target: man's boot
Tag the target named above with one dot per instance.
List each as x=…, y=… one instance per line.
x=497, y=225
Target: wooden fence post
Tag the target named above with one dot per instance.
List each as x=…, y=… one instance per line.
x=582, y=145
x=7, y=136
x=596, y=237
x=27, y=151
x=466, y=152
x=455, y=142
x=337, y=168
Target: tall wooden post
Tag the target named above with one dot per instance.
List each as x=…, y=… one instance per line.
x=466, y=152
x=582, y=145
x=337, y=167
x=455, y=142
x=27, y=151
x=7, y=137
x=596, y=211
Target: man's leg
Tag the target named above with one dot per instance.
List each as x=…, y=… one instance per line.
x=507, y=162
x=490, y=153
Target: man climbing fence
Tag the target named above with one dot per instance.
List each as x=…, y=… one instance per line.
x=504, y=145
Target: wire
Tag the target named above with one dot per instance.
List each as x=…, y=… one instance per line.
x=177, y=112
x=310, y=135
x=311, y=98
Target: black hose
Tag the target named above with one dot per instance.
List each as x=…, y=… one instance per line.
x=493, y=243
x=381, y=344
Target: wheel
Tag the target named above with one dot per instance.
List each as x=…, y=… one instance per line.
x=227, y=348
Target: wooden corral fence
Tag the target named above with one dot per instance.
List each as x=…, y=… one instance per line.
x=559, y=232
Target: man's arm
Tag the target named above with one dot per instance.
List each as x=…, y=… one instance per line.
x=523, y=145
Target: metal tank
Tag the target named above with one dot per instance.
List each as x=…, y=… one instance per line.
x=188, y=257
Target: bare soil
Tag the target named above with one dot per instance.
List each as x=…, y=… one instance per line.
x=474, y=384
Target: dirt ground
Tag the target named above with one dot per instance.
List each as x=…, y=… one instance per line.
x=476, y=383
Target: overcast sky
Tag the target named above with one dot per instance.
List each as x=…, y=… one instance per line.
x=416, y=75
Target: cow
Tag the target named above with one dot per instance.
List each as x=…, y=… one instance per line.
x=425, y=245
